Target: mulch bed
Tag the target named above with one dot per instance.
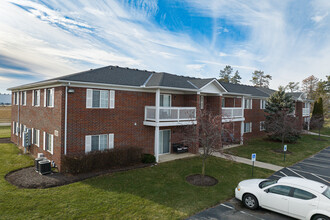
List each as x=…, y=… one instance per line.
x=30, y=179
x=281, y=151
x=5, y=140
x=197, y=180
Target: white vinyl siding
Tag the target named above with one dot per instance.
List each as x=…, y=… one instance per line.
x=262, y=104
x=99, y=142
x=248, y=103
x=49, y=97
x=36, y=98
x=100, y=98
x=262, y=126
x=248, y=127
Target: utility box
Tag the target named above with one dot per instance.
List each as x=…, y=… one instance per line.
x=45, y=167
x=27, y=137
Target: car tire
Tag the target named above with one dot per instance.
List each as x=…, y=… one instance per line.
x=320, y=217
x=250, y=201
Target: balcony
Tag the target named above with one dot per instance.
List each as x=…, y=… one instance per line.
x=170, y=116
x=306, y=112
x=232, y=114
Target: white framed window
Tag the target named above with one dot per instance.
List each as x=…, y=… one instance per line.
x=35, y=136
x=16, y=98
x=247, y=103
x=100, y=98
x=48, y=142
x=49, y=97
x=262, y=126
x=262, y=104
x=223, y=102
x=36, y=98
x=248, y=127
x=99, y=142
x=201, y=102
x=165, y=100
x=16, y=128
x=23, y=98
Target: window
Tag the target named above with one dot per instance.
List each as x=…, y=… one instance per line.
x=16, y=97
x=262, y=126
x=302, y=194
x=35, y=136
x=100, y=98
x=248, y=103
x=99, y=142
x=248, y=127
x=280, y=190
x=201, y=102
x=15, y=128
x=48, y=142
x=49, y=98
x=266, y=183
x=262, y=104
x=22, y=130
x=326, y=193
x=36, y=98
x=165, y=100
x=223, y=103
x=23, y=98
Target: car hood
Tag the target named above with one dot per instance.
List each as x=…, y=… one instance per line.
x=251, y=183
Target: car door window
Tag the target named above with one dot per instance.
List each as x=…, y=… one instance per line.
x=302, y=194
x=281, y=190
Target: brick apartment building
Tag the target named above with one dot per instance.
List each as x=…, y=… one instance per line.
x=114, y=107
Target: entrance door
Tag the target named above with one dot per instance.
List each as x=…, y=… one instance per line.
x=164, y=141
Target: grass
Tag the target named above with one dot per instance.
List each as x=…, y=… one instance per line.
x=326, y=127
x=5, y=114
x=4, y=131
x=305, y=147
x=149, y=193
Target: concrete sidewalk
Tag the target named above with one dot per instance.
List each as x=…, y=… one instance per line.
x=316, y=134
x=4, y=124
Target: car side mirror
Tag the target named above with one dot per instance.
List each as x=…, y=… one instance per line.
x=266, y=190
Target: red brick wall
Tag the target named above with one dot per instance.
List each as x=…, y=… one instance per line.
x=254, y=115
x=42, y=118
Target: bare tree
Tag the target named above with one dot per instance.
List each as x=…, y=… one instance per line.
x=309, y=86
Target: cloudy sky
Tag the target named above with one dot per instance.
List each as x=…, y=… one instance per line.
x=289, y=40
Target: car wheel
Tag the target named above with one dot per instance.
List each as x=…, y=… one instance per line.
x=320, y=217
x=250, y=201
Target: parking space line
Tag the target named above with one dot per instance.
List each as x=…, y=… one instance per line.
x=277, y=175
x=310, y=173
x=227, y=206
x=320, y=178
x=311, y=164
x=295, y=173
x=316, y=158
x=283, y=173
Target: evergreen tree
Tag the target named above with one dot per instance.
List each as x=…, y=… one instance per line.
x=280, y=123
x=292, y=86
x=317, y=119
x=236, y=79
x=260, y=79
x=225, y=74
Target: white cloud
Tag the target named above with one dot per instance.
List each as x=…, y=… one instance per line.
x=318, y=18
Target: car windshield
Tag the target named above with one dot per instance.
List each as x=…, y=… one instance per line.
x=265, y=183
x=327, y=193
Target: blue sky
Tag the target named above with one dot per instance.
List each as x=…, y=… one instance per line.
x=288, y=39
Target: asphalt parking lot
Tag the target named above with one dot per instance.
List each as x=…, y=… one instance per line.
x=315, y=168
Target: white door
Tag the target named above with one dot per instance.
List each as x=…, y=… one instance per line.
x=164, y=141
x=277, y=199
x=165, y=100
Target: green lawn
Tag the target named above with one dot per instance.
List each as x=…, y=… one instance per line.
x=4, y=131
x=305, y=147
x=326, y=127
x=149, y=193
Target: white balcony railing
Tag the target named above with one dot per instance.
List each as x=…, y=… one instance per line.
x=306, y=111
x=170, y=114
x=232, y=112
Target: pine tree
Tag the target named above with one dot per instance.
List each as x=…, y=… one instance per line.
x=260, y=79
x=225, y=74
x=236, y=79
x=317, y=119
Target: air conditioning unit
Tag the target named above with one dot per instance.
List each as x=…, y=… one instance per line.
x=41, y=155
x=44, y=167
x=36, y=163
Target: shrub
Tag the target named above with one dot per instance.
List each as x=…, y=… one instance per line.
x=101, y=160
x=148, y=158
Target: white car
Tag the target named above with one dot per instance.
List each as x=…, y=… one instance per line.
x=293, y=196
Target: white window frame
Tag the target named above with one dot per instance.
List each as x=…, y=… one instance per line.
x=250, y=127
x=23, y=100
x=110, y=99
x=88, y=142
x=16, y=98
x=247, y=103
x=38, y=98
x=201, y=102
x=35, y=141
x=49, y=145
x=262, y=126
x=17, y=128
x=49, y=103
x=223, y=102
x=262, y=104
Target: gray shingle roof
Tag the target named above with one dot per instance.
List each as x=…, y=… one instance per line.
x=244, y=89
x=295, y=95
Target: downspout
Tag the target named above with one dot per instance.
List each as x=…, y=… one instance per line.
x=65, y=119
x=18, y=119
